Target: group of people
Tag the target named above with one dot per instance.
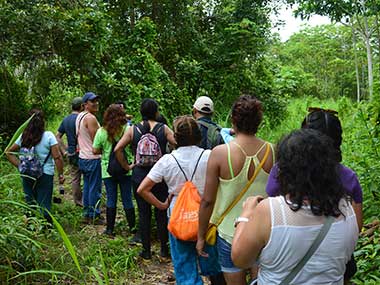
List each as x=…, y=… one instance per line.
x=285, y=214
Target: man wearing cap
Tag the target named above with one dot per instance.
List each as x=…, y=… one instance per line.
x=89, y=163
x=67, y=127
x=203, y=109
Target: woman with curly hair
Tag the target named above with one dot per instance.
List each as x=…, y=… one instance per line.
x=280, y=232
x=230, y=168
x=187, y=161
x=114, y=126
x=44, y=145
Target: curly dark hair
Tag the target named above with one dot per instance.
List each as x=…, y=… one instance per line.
x=327, y=123
x=186, y=131
x=308, y=170
x=114, y=120
x=247, y=114
x=33, y=132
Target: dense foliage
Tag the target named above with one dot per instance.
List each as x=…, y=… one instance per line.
x=173, y=52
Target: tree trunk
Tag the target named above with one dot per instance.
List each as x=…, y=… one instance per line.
x=356, y=63
x=367, y=39
x=132, y=14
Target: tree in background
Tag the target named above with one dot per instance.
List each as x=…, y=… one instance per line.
x=126, y=50
x=361, y=15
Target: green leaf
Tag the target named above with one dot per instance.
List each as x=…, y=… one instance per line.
x=67, y=242
x=17, y=134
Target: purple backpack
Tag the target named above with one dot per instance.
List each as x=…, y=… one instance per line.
x=30, y=164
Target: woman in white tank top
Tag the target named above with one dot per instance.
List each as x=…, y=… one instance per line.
x=279, y=231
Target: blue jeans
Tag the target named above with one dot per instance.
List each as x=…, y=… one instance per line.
x=125, y=185
x=39, y=192
x=225, y=260
x=186, y=260
x=92, y=186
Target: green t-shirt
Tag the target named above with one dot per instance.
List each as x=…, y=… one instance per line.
x=101, y=142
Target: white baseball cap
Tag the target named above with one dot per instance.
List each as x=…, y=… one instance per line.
x=204, y=104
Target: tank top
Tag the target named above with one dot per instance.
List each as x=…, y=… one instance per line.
x=292, y=234
x=229, y=189
x=84, y=139
x=138, y=172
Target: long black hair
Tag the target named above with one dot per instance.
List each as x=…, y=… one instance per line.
x=308, y=169
x=33, y=132
x=327, y=123
x=148, y=111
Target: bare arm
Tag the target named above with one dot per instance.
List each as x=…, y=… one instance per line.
x=58, y=162
x=11, y=156
x=96, y=150
x=92, y=125
x=144, y=191
x=250, y=237
x=208, y=199
x=119, y=148
x=170, y=136
x=62, y=145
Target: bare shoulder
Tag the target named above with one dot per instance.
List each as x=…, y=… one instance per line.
x=219, y=150
x=89, y=117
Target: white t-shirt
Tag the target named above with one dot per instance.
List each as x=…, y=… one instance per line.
x=167, y=169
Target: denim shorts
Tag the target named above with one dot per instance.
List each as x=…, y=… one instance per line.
x=224, y=251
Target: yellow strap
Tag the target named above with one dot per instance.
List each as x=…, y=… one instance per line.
x=241, y=194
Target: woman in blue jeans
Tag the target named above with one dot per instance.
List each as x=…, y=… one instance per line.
x=114, y=126
x=187, y=161
x=38, y=191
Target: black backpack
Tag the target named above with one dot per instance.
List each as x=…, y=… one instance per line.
x=114, y=167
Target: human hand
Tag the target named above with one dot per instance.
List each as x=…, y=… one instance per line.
x=61, y=179
x=250, y=204
x=166, y=204
x=200, y=247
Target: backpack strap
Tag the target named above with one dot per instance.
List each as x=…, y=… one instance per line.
x=80, y=121
x=196, y=166
x=195, y=169
x=316, y=243
x=46, y=158
x=157, y=127
x=184, y=174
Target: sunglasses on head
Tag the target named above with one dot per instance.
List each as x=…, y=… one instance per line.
x=317, y=109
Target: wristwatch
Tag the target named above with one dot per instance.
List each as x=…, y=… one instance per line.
x=240, y=219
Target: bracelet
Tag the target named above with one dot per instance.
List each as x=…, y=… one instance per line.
x=239, y=220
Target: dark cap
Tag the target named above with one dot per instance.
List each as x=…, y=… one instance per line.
x=76, y=103
x=89, y=96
